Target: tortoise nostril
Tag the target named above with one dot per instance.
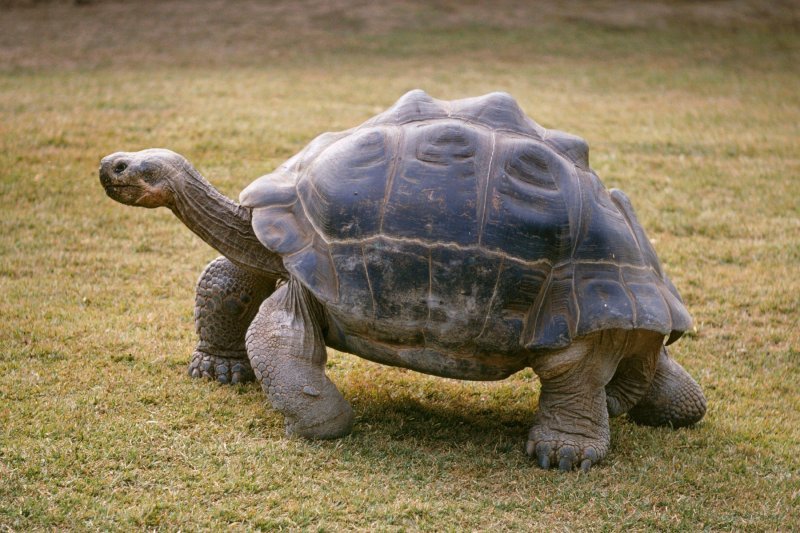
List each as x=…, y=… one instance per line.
x=120, y=167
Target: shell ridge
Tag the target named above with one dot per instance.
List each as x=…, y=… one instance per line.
x=530, y=333
x=489, y=306
x=667, y=307
x=537, y=306
x=626, y=217
x=369, y=283
x=310, y=220
x=574, y=296
x=631, y=297
x=427, y=323
x=486, y=191
x=440, y=244
x=625, y=206
x=327, y=255
x=399, y=141
x=619, y=198
x=576, y=230
x=300, y=250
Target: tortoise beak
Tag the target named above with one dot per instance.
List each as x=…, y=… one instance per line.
x=105, y=176
x=117, y=185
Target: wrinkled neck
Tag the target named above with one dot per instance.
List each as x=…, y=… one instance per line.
x=223, y=224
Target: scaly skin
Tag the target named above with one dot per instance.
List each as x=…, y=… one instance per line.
x=674, y=398
x=227, y=299
x=287, y=351
x=571, y=425
x=633, y=377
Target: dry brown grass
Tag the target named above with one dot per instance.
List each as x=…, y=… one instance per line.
x=691, y=108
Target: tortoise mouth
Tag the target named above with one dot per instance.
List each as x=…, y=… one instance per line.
x=113, y=186
x=124, y=193
x=118, y=189
x=114, y=190
x=106, y=179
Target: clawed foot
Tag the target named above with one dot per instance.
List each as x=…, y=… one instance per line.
x=568, y=451
x=222, y=369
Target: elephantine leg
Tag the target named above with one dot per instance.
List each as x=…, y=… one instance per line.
x=578, y=394
x=227, y=299
x=286, y=347
x=571, y=425
x=674, y=398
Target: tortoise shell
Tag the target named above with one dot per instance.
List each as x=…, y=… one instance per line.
x=463, y=221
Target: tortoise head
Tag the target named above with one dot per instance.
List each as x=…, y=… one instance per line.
x=145, y=179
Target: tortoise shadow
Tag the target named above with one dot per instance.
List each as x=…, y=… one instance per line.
x=442, y=426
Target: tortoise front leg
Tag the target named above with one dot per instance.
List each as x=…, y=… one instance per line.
x=287, y=351
x=227, y=299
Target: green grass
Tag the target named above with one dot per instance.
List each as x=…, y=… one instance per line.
x=693, y=110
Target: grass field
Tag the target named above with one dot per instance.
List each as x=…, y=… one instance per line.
x=692, y=108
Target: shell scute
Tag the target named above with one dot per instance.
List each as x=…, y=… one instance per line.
x=623, y=207
x=355, y=295
x=314, y=266
x=551, y=320
x=526, y=215
x=574, y=148
x=281, y=228
x=606, y=233
x=602, y=298
x=460, y=293
x=651, y=310
x=517, y=286
x=498, y=111
x=434, y=192
x=343, y=190
x=399, y=275
x=413, y=106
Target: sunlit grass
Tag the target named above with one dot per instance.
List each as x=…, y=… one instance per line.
x=100, y=428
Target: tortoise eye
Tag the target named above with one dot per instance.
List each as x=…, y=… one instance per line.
x=119, y=168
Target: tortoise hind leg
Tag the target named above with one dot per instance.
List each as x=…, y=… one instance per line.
x=674, y=398
x=227, y=300
x=571, y=424
x=635, y=372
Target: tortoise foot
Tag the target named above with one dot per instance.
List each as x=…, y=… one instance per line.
x=330, y=420
x=227, y=370
x=674, y=399
x=568, y=451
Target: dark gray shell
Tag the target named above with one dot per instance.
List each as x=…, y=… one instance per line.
x=463, y=220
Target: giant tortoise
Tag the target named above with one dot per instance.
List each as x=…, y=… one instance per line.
x=455, y=238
